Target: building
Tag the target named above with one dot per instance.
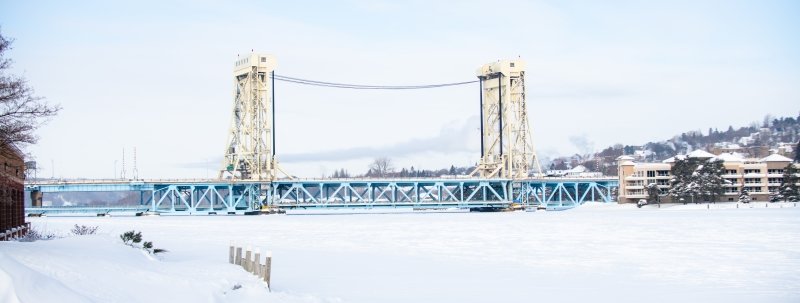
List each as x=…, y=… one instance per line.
x=758, y=176
x=579, y=171
x=12, y=203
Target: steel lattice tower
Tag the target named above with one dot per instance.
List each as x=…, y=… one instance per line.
x=250, y=150
x=506, y=141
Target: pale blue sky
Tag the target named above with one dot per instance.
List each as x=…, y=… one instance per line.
x=157, y=75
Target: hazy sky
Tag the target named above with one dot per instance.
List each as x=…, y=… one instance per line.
x=157, y=75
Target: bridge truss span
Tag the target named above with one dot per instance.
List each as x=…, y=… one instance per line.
x=369, y=193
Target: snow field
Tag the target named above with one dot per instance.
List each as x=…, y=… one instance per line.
x=598, y=252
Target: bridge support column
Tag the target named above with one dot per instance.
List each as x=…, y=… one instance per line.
x=36, y=198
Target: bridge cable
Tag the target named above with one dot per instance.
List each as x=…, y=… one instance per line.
x=361, y=86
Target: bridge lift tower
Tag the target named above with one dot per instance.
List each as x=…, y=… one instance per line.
x=506, y=141
x=250, y=148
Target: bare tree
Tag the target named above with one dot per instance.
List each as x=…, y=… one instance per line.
x=21, y=112
x=381, y=167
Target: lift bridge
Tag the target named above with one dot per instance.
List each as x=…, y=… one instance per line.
x=507, y=175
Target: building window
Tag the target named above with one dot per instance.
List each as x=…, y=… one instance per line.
x=752, y=171
x=663, y=173
x=730, y=171
x=651, y=174
x=752, y=189
x=775, y=171
x=752, y=180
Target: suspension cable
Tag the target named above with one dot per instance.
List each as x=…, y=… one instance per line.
x=361, y=86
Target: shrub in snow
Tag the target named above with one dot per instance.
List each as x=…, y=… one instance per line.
x=131, y=238
x=642, y=202
x=83, y=230
x=36, y=235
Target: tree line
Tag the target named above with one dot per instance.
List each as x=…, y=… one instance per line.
x=383, y=167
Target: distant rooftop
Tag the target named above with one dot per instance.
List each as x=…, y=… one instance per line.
x=776, y=158
x=699, y=153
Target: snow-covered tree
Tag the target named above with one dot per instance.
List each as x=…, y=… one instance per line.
x=789, y=189
x=681, y=185
x=710, y=181
x=694, y=180
x=653, y=193
x=797, y=153
x=775, y=196
x=744, y=197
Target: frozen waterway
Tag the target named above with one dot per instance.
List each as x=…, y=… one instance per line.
x=606, y=253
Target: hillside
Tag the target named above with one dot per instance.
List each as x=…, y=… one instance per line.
x=773, y=135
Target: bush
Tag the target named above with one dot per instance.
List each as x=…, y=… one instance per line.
x=133, y=237
x=83, y=230
x=36, y=235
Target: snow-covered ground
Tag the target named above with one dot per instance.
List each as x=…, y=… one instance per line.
x=597, y=252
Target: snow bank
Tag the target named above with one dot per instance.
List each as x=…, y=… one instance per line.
x=100, y=268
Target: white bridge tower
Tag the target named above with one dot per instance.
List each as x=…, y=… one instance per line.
x=250, y=148
x=506, y=141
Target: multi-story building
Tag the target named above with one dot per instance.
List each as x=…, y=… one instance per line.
x=12, y=208
x=758, y=176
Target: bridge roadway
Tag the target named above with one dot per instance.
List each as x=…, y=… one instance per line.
x=215, y=196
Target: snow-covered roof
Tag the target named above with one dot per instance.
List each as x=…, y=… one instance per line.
x=578, y=169
x=699, y=153
x=730, y=157
x=626, y=163
x=672, y=159
x=623, y=158
x=776, y=158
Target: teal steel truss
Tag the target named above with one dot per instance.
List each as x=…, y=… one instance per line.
x=369, y=193
x=221, y=196
x=565, y=193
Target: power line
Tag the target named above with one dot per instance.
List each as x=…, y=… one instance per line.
x=362, y=86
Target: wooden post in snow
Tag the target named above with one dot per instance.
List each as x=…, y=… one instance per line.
x=238, y=256
x=257, y=265
x=246, y=263
x=268, y=269
x=231, y=254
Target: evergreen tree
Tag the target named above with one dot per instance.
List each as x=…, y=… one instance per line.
x=789, y=188
x=683, y=185
x=797, y=153
x=775, y=196
x=452, y=171
x=710, y=181
x=653, y=193
x=744, y=197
